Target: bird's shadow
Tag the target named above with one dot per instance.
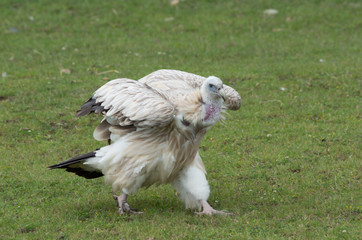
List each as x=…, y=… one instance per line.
x=107, y=206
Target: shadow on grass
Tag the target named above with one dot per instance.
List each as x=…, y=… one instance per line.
x=150, y=207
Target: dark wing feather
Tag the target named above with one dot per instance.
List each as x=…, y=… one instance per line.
x=91, y=106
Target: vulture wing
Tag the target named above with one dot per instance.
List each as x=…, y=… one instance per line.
x=171, y=81
x=127, y=102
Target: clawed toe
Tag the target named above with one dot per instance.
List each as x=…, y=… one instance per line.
x=122, y=211
x=224, y=213
x=208, y=210
x=214, y=212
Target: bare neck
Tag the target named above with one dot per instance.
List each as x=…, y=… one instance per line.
x=211, y=112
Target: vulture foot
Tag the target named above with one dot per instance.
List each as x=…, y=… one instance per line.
x=214, y=212
x=123, y=206
x=208, y=210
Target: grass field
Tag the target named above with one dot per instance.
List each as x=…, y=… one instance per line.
x=288, y=164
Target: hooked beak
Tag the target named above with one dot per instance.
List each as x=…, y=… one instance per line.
x=222, y=93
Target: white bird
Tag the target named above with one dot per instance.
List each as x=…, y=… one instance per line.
x=154, y=127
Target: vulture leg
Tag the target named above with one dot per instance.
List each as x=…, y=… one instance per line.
x=208, y=210
x=194, y=189
x=123, y=206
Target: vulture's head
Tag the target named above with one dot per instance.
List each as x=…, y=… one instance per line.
x=212, y=90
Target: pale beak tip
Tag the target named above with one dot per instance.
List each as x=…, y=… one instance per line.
x=222, y=94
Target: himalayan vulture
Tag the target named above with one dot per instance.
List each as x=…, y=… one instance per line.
x=154, y=127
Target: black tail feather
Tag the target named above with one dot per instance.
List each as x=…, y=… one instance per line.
x=75, y=165
x=74, y=160
x=86, y=174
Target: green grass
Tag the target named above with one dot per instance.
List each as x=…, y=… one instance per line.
x=288, y=163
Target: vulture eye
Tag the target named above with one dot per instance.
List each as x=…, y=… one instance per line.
x=212, y=87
